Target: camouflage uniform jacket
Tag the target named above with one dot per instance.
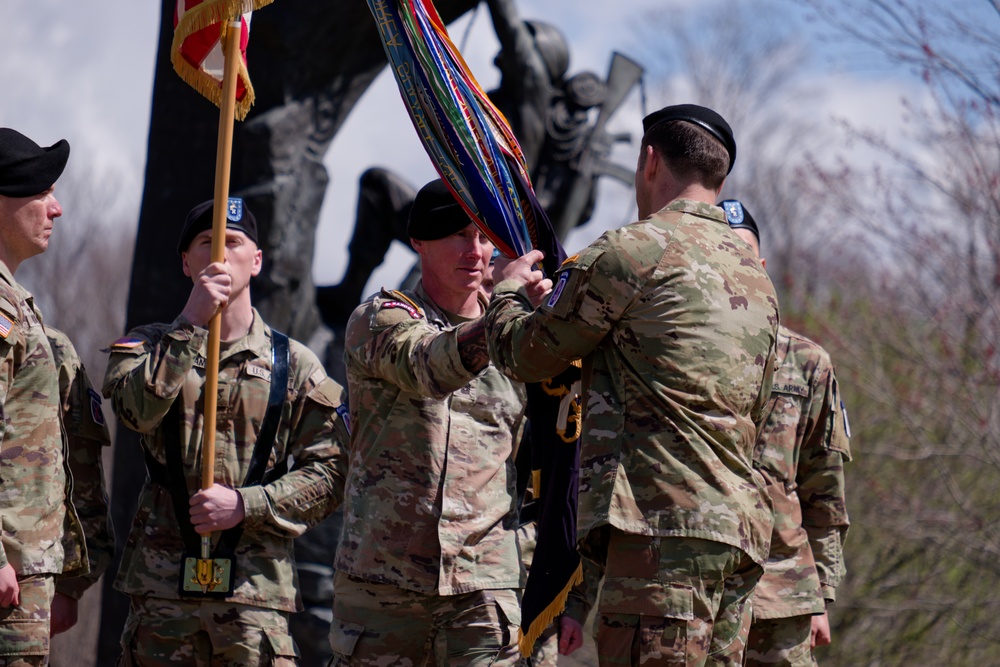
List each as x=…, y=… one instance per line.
x=87, y=436
x=35, y=483
x=801, y=451
x=675, y=320
x=430, y=500
x=158, y=364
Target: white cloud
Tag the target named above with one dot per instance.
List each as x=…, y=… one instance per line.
x=80, y=71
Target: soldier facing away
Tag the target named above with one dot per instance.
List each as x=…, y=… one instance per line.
x=155, y=379
x=428, y=567
x=675, y=322
x=801, y=451
x=42, y=534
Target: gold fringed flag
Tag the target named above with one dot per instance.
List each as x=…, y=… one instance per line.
x=555, y=415
x=197, y=53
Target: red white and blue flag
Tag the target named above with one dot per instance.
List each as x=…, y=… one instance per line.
x=197, y=50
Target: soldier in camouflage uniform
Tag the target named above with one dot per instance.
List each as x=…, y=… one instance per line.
x=801, y=451
x=39, y=521
x=156, y=374
x=87, y=436
x=675, y=321
x=428, y=567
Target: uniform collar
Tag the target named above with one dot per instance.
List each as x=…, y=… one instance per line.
x=436, y=313
x=6, y=275
x=257, y=341
x=699, y=208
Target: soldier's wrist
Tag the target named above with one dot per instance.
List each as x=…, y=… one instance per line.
x=254, y=504
x=187, y=329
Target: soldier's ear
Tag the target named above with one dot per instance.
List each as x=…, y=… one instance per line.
x=258, y=263
x=651, y=165
x=184, y=264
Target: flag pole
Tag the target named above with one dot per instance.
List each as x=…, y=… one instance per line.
x=223, y=159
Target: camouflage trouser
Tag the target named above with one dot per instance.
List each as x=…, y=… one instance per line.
x=378, y=624
x=205, y=634
x=545, y=653
x=781, y=642
x=24, y=629
x=674, y=601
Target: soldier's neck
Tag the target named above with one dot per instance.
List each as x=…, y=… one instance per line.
x=236, y=319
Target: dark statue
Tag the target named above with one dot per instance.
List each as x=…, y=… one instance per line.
x=309, y=65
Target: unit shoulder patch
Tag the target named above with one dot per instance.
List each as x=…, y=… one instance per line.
x=392, y=307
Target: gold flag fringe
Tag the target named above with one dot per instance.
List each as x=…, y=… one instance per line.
x=202, y=16
x=526, y=640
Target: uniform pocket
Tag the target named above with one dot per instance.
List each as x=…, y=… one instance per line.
x=344, y=636
x=626, y=595
x=24, y=637
x=645, y=621
x=509, y=616
x=283, y=648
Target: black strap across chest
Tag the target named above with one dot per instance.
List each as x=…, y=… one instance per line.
x=172, y=475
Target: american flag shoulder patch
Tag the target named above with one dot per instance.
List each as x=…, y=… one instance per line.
x=6, y=325
x=126, y=343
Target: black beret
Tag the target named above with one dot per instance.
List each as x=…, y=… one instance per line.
x=703, y=117
x=27, y=169
x=435, y=213
x=238, y=216
x=739, y=217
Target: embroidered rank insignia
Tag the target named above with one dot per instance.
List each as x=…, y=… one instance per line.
x=96, y=413
x=571, y=258
x=6, y=325
x=127, y=343
x=414, y=312
x=557, y=292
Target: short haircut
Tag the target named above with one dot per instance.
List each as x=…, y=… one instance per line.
x=691, y=153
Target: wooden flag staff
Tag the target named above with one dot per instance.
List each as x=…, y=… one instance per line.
x=208, y=572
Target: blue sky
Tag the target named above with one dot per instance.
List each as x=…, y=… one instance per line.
x=68, y=70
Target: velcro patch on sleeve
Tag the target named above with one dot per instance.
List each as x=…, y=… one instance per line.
x=6, y=326
x=96, y=412
x=408, y=307
x=127, y=343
